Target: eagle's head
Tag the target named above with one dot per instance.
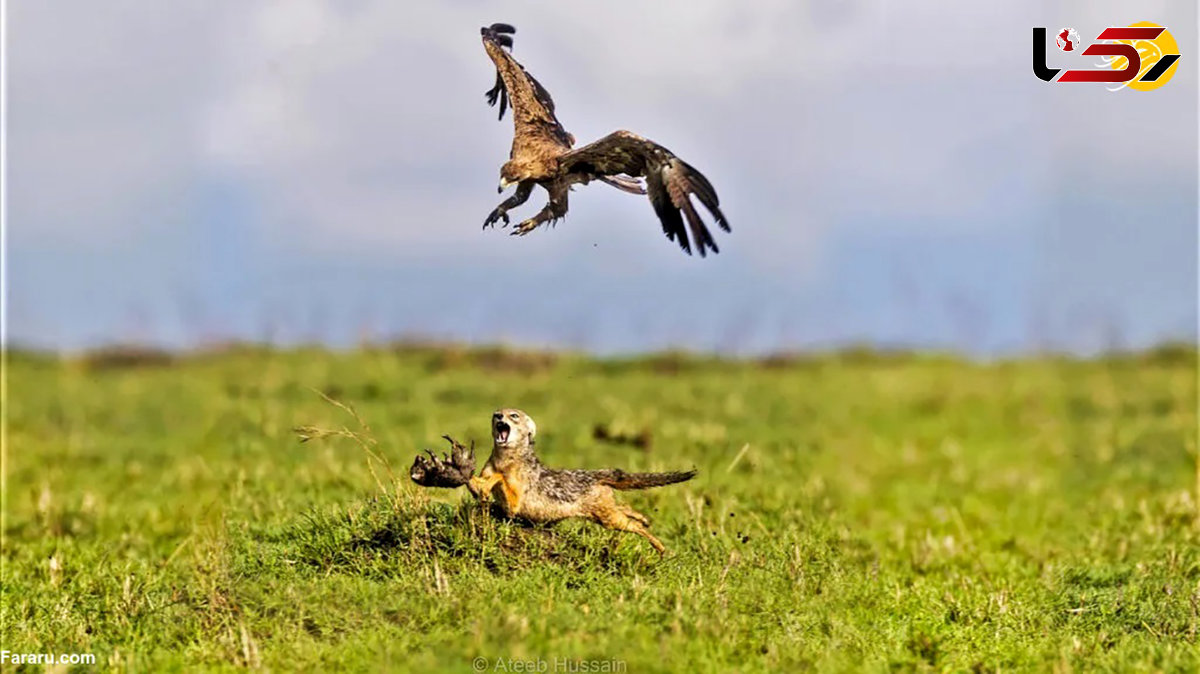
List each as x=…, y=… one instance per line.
x=512, y=428
x=511, y=174
x=526, y=169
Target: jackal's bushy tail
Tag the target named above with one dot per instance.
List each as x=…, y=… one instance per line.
x=619, y=479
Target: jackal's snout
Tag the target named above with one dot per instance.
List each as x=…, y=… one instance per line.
x=512, y=426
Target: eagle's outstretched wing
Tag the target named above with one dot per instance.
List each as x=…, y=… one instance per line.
x=502, y=34
x=670, y=182
x=533, y=108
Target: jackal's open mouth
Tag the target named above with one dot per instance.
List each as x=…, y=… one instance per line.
x=501, y=431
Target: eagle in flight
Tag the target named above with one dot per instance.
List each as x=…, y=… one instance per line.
x=542, y=154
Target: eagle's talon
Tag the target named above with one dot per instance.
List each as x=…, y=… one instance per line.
x=524, y=228
x=495, y=216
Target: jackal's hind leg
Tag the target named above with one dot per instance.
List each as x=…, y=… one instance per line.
x=635, y=515
x=618, y=518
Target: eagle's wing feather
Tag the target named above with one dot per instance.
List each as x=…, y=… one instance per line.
x=624, y=183
x=502, y=34
x=670, y=182
x=533, y=108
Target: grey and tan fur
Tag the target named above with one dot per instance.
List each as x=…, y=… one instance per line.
x=525, y=488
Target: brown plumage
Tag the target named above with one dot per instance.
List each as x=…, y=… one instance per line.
x=542, y=155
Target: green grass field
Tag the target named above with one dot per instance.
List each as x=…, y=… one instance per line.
x=854, y=511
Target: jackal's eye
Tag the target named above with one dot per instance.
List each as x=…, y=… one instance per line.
x=514, y=417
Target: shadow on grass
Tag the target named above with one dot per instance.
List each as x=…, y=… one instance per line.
x=386, y=537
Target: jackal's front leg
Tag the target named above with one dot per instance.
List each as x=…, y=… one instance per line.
x=481, y=485
x=512, y=498
x=483, y=488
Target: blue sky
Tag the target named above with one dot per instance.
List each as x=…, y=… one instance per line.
x=319, y=170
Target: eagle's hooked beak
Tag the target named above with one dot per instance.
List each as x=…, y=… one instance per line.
x=505, y=183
